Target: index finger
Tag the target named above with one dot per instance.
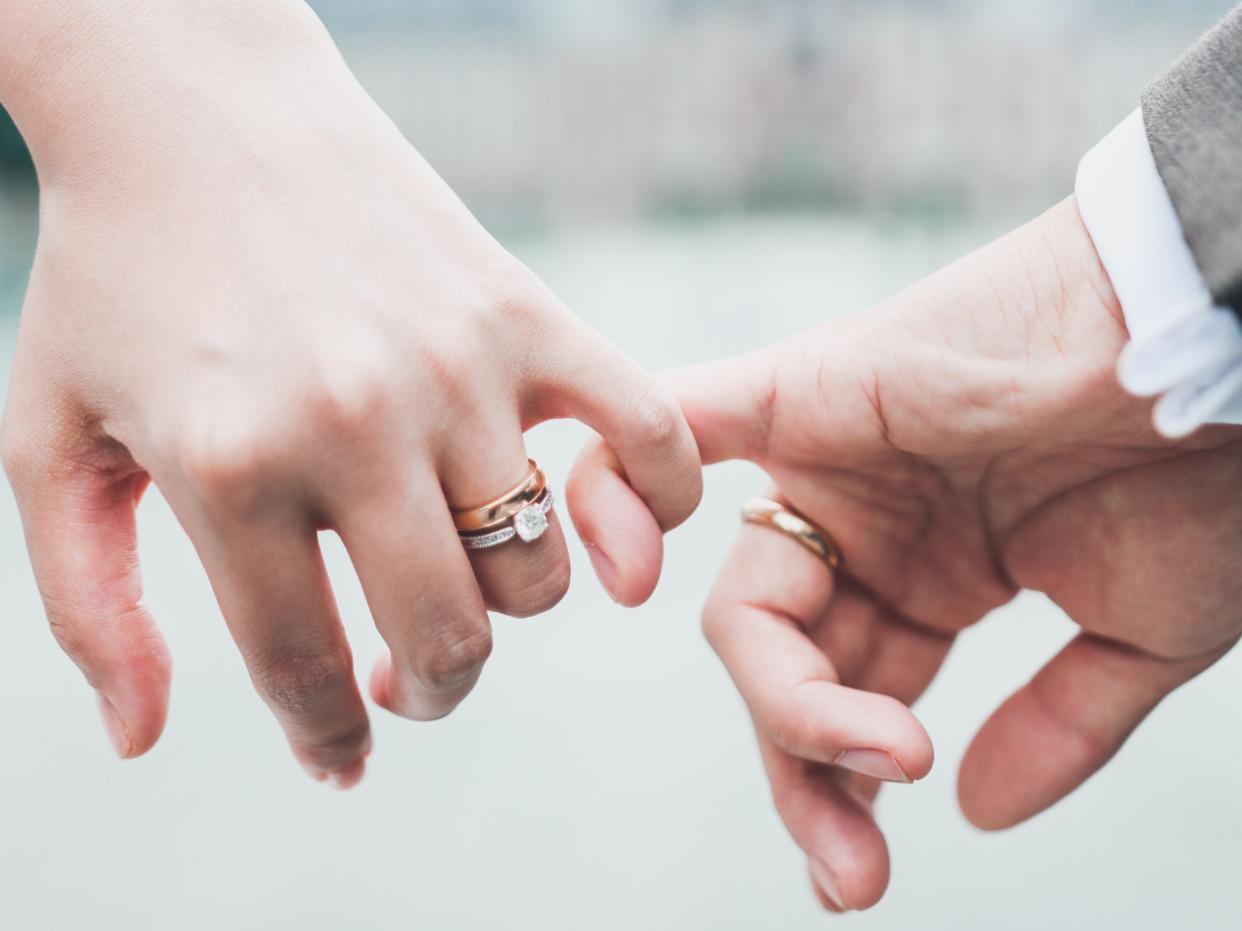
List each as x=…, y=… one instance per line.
x=645, y=476
x=588, y=378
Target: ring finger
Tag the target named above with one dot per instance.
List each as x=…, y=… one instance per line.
x=519, y=577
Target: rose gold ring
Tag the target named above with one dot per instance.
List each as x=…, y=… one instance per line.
x=528, y=525
x=784, y=519
x=498, y=512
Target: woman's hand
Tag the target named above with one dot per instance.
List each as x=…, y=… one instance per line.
x=962, y=441
x=252, y=291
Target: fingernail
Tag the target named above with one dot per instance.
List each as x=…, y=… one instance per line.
x=605, y=570
x=827, y=883
x=114, y=724
x=349, y=777
x=874, y=763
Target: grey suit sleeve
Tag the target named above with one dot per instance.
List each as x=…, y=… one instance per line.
x=1193, y=116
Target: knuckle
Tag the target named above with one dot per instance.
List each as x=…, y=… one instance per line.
x=513, y=294
x=338, y=748
x=657, y=418
x=224, y=465
x=516, y=310
x=450, y=664
x=515, y=301
x=451, y=365
x=795, y=729
x=302, y=683
x=787, y=733
x=351, y=399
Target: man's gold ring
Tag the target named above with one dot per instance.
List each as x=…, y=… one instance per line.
x=784, y=519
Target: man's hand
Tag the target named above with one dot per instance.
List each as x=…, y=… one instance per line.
x=963, y=441
x=252, y=291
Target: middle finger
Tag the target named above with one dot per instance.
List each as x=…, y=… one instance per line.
x=421, y=592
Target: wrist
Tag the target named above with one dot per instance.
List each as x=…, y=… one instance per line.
x=1010, y=346
x=101, y=90
x=1072, y=327
x=1070, y=260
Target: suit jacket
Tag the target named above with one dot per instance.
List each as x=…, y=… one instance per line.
x=1193, y=117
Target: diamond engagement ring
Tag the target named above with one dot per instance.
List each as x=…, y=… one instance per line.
x=521, y=512
x=528, y=526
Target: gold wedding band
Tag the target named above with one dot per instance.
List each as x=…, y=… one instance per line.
x=784, y=519
x=498, y=512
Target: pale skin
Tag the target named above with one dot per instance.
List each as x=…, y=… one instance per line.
x=251, y=290
x=962, y=441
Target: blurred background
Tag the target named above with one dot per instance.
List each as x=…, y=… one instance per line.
x=695, y=177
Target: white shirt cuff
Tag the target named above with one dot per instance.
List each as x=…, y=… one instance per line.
x=1182, y=346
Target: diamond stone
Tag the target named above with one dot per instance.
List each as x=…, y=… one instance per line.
x=530, y=523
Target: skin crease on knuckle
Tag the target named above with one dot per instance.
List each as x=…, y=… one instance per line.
x=351, y=397
x=228, y=464
x=247, y=460
x=446, y=665
x=514, y=302
x=299, y=682
x=660, y=430
x=337, y=749
x=794, y=729
x=656, y=418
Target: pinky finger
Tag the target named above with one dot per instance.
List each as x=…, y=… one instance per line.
x=621, y=536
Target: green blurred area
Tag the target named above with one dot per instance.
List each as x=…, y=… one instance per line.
x=17, y=216
x=15, y=164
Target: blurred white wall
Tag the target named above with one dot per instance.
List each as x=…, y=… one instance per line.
x=547, y=111
x=601, y=110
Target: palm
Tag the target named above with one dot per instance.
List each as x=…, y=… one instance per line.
x=1102, y=529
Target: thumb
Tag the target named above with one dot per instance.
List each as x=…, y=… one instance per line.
x=1063, y=726
x=81, y=533
x=729, y=404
